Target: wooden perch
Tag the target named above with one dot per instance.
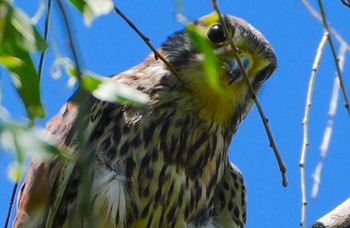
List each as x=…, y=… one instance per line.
x=337, y=218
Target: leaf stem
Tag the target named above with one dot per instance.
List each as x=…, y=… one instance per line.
x=46, y=33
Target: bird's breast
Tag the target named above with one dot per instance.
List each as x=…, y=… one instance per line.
x=162, y=168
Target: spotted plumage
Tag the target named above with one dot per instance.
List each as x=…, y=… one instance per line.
x=165, y=163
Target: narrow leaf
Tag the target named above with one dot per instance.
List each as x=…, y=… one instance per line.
x=105, y=88
x=18, y=37
x=79, y=4
x=112, y=91
x=23, y=142
x=15, y=171
x=10, y=61
x=92, y=9
x=211, y=63
x=25, y=79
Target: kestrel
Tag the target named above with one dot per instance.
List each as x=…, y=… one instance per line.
x=165, y=163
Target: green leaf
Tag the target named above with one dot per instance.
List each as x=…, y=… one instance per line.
x=18, y=37
x=105, y=88
x=15, y=171
x=10, y=61
x=23, y=142
x=79, y=4
x=26, y=35
x=211, y=63
x=92, y=9
x=90, y=83
x=16, y=28
x=25, y=79
x=113, y=91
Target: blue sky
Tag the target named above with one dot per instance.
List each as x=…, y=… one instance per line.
x=109, y=46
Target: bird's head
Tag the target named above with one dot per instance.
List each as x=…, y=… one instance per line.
x=256, y=53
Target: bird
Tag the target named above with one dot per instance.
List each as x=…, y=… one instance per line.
x=164, y=163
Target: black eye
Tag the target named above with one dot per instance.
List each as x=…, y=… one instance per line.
x=216, y=34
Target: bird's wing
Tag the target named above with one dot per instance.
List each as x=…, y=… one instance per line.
x=35, y=194
x=230, y=200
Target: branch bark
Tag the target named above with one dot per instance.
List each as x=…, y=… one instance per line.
x=337, y=218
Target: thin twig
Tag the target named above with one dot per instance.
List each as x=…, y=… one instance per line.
x=334, y=32
x=254, y=97
x=157, y=55
x=345, y=47
x=305, y=123
x=15, y=186
x=85, y=159
x=338, y=37
x=46, y=33
x=31, y=123
x=328, y=131
x=335, y=56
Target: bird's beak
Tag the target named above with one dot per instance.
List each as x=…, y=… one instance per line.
x=233, y=70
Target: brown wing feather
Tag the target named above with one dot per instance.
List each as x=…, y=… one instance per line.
x=34, y=195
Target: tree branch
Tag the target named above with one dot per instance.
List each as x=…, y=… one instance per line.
x=338, y=83
x=157, y=55
x=335, y=56
x=305, y=123
x=337, y=218
x=9, y=211
x=85, y=156
x=254, y=97
x=46, y=33
x=328, y=131
x=334, y=32
x=339, y=38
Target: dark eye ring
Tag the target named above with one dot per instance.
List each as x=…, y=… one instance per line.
x=216, y=34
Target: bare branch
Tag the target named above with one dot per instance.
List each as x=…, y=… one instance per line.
x=339, y=38
x=85, y=156
x=9, y=211
x=305, y=123
x=148, y=43
x=337, y=218
x=328, y=31
x=329, y=128
x=46, y=33
x=334, y=32
x=335, y=56
x=254, y=97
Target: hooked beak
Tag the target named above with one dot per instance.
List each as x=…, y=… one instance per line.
x=233, y=70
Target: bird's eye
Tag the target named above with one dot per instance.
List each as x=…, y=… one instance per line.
x=216, y=34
